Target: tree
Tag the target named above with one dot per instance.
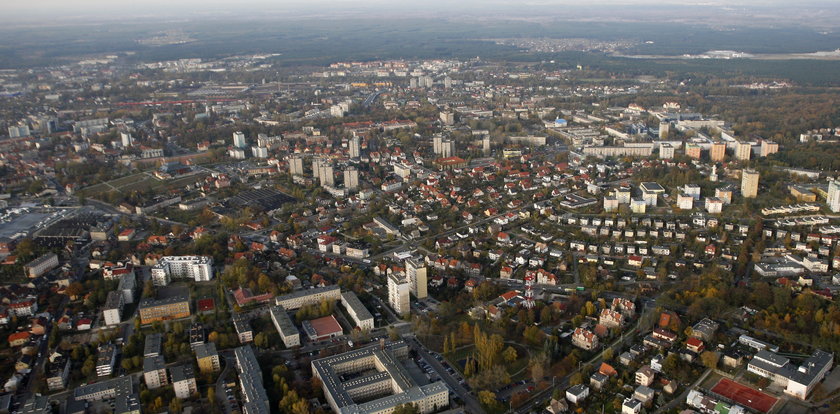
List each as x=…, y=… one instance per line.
x=406, y=408
x=709, y=359
x=175, y=406
x=538, y=364
x=509, y=354
x=576, y=379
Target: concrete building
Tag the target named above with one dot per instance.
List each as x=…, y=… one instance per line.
x=127, y=139
x=664, y=129
x=768, y=148
x=243, y=330
x=357, y=311
x=154, y=372
x=399, y=290
x=112, y=312
x=351, y=178
x=41, y=265
x=106, y=355
x=385, y=385
x=693, y=151
x=749, y=183
x=743, y=151
x=207, y=358
x=718, y=151
x=183, y=380
x=415, y=270
x=296, y=165
x=250, y=382
x=300, y=298
x=797, y=381
x=197, y=268
x=355, y=147
x=239, y=140
x=151, y=348
x=57, y=371
x=666, y=151
x=447, y=117
x=322, y=328
x=326, y=174
x=833, y=196
x=153, y=310
x=287, y=330
x=259, y=152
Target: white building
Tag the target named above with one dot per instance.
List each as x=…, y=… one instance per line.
x=289, y=333
x=197, y=268
x=183, y=380
x=399, y=290
x=417, y=277
x=833, y=198
x=112, y=312
x=259, y=152
x=357, y=311
x=239, y=140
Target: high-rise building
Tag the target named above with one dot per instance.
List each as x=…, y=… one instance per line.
x=412, y=83
x=326, y=174
x=296, y=165
x=355, y=147
x=666, y=151
x=316, y=167
x=239, y=140
x=259, y=152
x=437, y=144
x=717, y=152
x=664, y=128
x=485, y=144
x=351, y=178
x=447, y=148
x=833, y=198
x=127, y=139
x=398, y=294
x=16, y=131
x=416, y=272
x=743, y=151
x=749, y=183
x=447, y=82
x=693, y=151
x=769, y=147
x=447, y=117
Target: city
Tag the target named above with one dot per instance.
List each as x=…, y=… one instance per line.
x=241, y=234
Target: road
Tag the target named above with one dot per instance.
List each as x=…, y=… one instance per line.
x=471, y=402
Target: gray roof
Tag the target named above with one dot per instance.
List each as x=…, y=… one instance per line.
x=181, y=372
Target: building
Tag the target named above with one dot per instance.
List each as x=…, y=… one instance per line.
x=153, y=310
x=154, y=372
x=768, y=148
x=250, y=382
x=56, y=371
x=41, y=265
x=798, y=381
x=415, y=270
x=717, y=153
x=113, y=308
x=610, y=204
x=577, y=393
x=399, y=289
x=197, y=268
x=287, y=330
x=243, y=330
x=611, y=318
x=355, y=147
x=259, y=152
x=207, y=358
x=151, y=347
x=36, y=404
x=743, y=151
x=183, y=380
x=384, y=375
x=666, y=151
x=113, y=389
x=357, y=311
x=724, y=194
x=693, y=151
x=584, y=339
x=833, y=197
x=314, y=296
x=296, y=165
x=714, y=205
x=685, y=201
x=447, y=117
x=322, y=328
x=351, y=178
x=106, y=355
x=127, y=139
x=749, y=183
x=239, y=140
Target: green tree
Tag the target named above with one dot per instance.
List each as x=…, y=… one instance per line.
x=509, y=354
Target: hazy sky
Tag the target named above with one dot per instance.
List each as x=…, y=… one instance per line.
x=57, y=8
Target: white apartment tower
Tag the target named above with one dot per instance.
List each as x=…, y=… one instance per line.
x=326, y=174
x=749, y=183
x=833, y=199
x=355, y=147
x=398, y=294
x=416, y=273
x=351, y=178
x=239, y=140
x=296, y=165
